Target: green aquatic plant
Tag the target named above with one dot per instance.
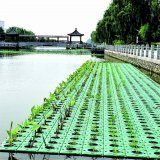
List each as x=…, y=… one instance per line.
x=12, y=134
x=57, y=90
x=48, y=101
x=72, y=103
x=47, y=116
x=36, y=129
x=24, y=125
x=35, y=110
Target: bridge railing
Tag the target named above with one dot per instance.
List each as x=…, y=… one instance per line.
x=144, y=51
x=9, y=44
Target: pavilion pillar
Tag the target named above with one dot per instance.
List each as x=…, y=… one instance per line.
x=80, y=39
x=70, y=39
x=57, y=39
x=17, y=40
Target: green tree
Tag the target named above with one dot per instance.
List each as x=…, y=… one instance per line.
x=22, y=31
x=1, y=30
x=123, y=20
x=2, y=37
x=94, y=36
x=144, y=32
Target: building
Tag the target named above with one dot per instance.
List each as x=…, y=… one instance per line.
x=76, y=34
x=2, y=24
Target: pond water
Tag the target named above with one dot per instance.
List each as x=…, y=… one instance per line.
x=49, y=48
x=24, y=81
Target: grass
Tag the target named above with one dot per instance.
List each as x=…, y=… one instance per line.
x=21, y=52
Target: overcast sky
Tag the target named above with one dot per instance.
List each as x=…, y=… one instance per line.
x=56, y=17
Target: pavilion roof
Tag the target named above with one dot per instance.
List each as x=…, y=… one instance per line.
x=75, y=33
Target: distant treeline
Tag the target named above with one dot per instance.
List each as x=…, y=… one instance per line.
x=21, y=31
x=125, y=20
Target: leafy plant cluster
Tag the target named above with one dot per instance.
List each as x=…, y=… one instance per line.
x=41, y=115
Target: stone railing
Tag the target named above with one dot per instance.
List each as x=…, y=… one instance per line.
x=136, y=51
x=141, y=56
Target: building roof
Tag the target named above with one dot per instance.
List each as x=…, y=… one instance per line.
x=75, y=33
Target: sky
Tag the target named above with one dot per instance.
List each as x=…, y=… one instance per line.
x=53, y=17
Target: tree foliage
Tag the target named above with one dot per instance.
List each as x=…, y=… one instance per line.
x=124, y=20
x=144, y=32
x=21, y=31
x=93, y=36
x=2, y=37
x=1, y=30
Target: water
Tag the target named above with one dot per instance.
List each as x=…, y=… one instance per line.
x=49, y=48
x=24, y=81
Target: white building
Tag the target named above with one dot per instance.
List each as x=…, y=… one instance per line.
x=2, y=24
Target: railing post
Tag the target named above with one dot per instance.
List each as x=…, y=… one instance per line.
x=120, y=48
x=152, y=51
x=158, y=52
x=134, y=50
x=138, y=50
x=115, y=48
x=142, y=50
x=123, y=48
x=147, y=50
x=128, y=49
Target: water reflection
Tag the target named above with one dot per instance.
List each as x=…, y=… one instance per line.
x=13, y=156
x=49, y=48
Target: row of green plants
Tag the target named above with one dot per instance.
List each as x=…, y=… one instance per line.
x=94, y=103
x=48, y=108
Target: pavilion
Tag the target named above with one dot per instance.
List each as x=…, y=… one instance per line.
x=76, y=34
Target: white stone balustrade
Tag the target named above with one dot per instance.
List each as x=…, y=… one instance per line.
x=138, y=51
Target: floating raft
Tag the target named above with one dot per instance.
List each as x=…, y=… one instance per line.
x=104, y=109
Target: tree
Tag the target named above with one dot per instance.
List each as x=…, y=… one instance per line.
x=144, y=32
x=1, y=30
x=123, y=20
x=2, y=37
x=22, y=31
x=94, y=36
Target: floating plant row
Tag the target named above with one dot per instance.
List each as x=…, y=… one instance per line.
x=103, y=109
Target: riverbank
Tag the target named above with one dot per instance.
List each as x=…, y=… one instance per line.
x=72, y=51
